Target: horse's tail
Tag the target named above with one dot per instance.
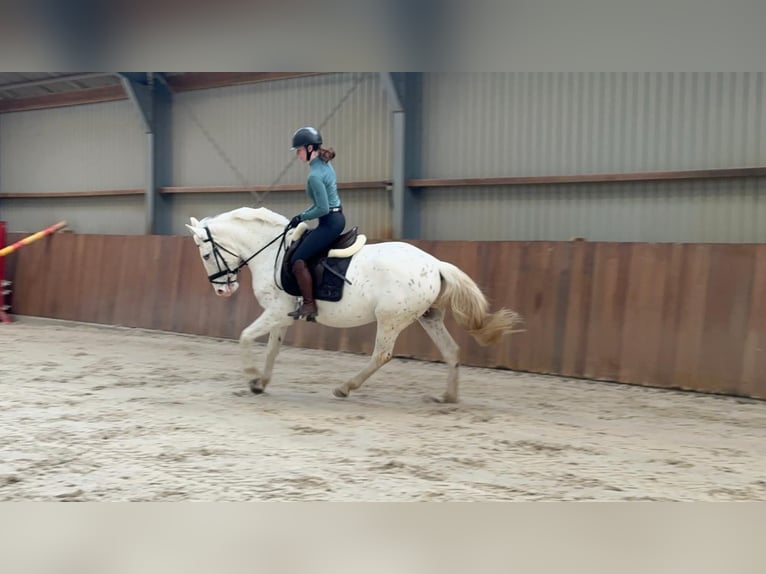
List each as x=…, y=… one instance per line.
x=470, y=307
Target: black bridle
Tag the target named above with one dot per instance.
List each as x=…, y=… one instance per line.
x=223, y=267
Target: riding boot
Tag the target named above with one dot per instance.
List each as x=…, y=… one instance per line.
x=306, y=284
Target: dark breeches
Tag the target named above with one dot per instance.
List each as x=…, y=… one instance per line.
x=329, y=228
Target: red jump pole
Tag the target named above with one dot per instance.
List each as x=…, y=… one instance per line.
x=30, y=238
x=7, y=250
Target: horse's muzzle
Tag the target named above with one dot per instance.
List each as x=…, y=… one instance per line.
x=226, y=290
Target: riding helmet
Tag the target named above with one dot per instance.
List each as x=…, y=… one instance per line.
x=306, y=136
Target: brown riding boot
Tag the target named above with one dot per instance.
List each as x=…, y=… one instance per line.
x=306, y=284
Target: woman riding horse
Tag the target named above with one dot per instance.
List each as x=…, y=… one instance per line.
x=322, y=189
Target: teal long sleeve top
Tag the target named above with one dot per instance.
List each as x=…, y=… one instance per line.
x=322, y=189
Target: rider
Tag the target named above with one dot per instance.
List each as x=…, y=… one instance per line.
x=322, y=189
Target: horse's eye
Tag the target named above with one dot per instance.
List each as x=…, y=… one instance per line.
x=206, y=256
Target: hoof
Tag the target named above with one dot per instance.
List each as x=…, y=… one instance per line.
x=257, y=387
x=340, y=393
x=442, y=400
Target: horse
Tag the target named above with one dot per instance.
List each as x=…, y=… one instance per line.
x=392, y=283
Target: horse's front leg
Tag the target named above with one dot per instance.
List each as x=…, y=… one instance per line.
x=276, y=336
x=276, y=326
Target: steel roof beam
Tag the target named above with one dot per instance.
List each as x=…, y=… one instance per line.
x=153, y=100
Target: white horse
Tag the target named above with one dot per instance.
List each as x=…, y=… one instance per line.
x=393, y=283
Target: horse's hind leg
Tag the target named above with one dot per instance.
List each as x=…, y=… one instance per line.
x=433, y=323
x=387, y=333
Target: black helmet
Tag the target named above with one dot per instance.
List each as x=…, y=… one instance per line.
x=306, y=136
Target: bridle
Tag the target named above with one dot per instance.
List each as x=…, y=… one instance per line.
x=223, y=267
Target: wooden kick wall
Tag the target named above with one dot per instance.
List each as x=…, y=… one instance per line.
x=690, y=316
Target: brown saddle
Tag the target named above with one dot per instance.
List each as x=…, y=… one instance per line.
x=344, y=240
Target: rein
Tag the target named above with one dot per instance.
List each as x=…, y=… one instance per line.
x=282, y=248
x=223, y=267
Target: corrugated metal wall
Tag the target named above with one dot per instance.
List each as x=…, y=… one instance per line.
x=102, y=146
x=474, y=125
x=253, y=124
x=534, y=124
x=525, y=124
x=700, y=211
x=102, y=215
x=369, y=209
x=78, y=148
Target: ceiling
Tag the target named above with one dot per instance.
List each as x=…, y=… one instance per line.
x=36, y=90
x=15, y=85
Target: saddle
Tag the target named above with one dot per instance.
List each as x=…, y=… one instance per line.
x=328, y=268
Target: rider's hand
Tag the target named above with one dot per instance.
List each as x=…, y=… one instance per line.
x=294, y=222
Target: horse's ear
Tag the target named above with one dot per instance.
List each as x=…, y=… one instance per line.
x=194, y=222
x=195, y=230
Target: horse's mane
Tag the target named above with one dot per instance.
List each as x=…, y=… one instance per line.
x=254, y=214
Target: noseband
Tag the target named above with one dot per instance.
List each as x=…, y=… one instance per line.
x=223, y=267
